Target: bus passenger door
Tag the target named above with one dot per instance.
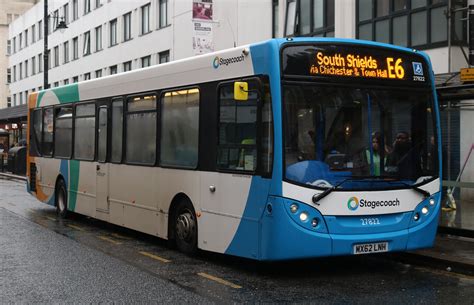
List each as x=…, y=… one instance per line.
x=102, y=168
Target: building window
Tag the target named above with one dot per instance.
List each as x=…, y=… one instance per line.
x=163, y=13
x=98, y=3
x=40, y=63
x=20, y=40
x=164, y=57
x=26, y=68
x=145, y=20
x=56, y=84
x=87, y=76
x=127, y=26
x=75, y=79
x=127, y=66
x=275, y=13
x=113, y=32
x=75, y=48
x=75, y=9
x=146, y=61
x=66, y=13
x=14, y=99
x=310, y=18
x=66, y=51
x=14, y=73
x=9, y=47
x=9, y=101
x=20, y=69
x=33, y=33
x=98, y=38
x=98, y=73
x=56, y=56
x=40, y=29
x=417, y=23
x=9, y=75
x=20, y=95
x=66, y=81
x=87, y=6
x=33, y=65
x=26, y=38
x=87, y=43
x=113, y=69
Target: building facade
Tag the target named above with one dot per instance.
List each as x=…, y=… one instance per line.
x=10, y=11
x=105, y=37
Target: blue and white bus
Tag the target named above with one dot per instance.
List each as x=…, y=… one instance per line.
x=284, y=149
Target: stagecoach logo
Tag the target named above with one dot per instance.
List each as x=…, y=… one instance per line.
x=353, y=203
x=221, y=61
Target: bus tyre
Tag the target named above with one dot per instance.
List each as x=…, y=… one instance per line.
x=185, y=227
x=61, y=200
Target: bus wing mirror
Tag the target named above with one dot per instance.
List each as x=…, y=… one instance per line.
x=241, y=91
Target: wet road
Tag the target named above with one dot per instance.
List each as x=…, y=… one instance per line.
x=44, y=259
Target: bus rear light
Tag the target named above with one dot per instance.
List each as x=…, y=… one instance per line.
x=424, y=210
x=314, y=222
x=416, y=217
x=432, y=201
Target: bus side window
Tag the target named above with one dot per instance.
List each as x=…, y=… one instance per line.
x=47, y=144
x=63, y=132
x=237, y=142
x=36, y=127
x=117, y=131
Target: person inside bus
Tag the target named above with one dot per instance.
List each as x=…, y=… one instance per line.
x=376, y=154
x=404, y=160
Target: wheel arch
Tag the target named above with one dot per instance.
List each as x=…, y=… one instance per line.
x=172, y=211
x=58, y=179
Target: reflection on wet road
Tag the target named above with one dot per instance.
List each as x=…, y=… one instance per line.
x=206, y=277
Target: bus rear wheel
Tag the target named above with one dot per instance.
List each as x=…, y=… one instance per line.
x=185, y=228
x=61, y=199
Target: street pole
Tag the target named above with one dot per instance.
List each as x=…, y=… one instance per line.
x=45, y=52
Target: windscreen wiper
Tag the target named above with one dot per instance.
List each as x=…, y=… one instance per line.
x=425, y=194
x=320, y=196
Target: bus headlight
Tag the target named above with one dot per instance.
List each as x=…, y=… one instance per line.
x=424, y=210
x=304, y=216
x=432, y=201
x=293, y=208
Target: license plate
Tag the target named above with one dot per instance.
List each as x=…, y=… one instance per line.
x=371, y=248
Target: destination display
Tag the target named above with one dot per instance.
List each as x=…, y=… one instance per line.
x=349, y=61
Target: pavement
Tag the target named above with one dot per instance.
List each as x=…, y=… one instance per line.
x=451, y=252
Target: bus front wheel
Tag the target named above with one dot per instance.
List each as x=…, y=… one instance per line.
x=185, y=227
x=61, y=199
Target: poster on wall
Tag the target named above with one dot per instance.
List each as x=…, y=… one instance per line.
x=202, y=10
x=203, y=25
x=203, y=38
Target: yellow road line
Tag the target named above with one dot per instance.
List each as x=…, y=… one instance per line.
x=219, y=280
x=153, y=256
x=76, y=227
x=110, y=240
x=120, y=236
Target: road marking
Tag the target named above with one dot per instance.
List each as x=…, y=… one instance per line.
x=219, y=280
x=156, y=257
x=120, y=236
x=76, y=227
x=110, y=240
x=51, y=218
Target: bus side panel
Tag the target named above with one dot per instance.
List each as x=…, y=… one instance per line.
x=47, y=173
x=83, y=187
